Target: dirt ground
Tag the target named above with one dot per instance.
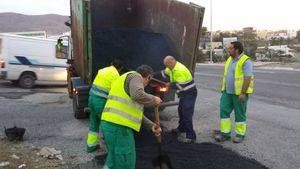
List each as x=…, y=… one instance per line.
x=18, y=154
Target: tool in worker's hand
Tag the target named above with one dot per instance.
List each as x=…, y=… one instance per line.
x=152, y=78
x=159, y=81
x=162, y=161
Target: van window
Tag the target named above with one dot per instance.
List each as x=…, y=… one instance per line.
x=61, y=51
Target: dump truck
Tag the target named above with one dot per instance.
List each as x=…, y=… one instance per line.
x=135, y=31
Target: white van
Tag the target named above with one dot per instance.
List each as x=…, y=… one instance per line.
x=29, y=61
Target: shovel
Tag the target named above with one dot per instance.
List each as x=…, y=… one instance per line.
x=162, y=161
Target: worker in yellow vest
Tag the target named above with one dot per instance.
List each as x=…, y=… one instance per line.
x=236, y=87
x=123, y=114
x=97, y=99
x=182, y=80
x=60, y=53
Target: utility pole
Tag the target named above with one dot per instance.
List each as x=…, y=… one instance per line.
x=211, y=33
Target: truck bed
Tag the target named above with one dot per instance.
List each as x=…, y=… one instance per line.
x=137, y=31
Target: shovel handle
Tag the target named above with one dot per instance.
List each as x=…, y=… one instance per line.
x=158, y=138
x=157, y=122
x=159, y=81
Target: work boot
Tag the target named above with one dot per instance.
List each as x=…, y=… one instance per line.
x=93, y=149
x=220, y=137
x=238, y=139
x=182, y=138
x=176, y=131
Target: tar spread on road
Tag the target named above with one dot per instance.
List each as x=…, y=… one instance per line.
x=190, y=156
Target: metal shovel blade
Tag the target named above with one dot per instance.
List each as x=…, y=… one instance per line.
x=162, y=162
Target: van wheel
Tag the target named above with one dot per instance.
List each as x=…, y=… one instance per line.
x=27, y=81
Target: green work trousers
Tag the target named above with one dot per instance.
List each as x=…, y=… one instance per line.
x=120, y=144
x=228, y=103
x=96, y=105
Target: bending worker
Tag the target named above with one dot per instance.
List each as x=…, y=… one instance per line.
x=97, y=99
x=237, y=85
x=181, y=79
x=123, y=113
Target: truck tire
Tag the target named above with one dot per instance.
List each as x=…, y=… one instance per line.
x=78, y=112
x=27, y=81
x=70, y=95
x=70, y=91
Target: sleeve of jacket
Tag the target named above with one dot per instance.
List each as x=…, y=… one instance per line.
x=166, y=73
x=137, y=92
x=147, y=123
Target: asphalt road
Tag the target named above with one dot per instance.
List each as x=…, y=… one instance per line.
x=278, y=87
x=273, y=111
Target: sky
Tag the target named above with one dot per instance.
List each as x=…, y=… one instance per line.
x=227, y=14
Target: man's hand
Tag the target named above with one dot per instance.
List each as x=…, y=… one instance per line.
x=156, y=130
x=157, y=101
x=171, y=85
x=242, y=97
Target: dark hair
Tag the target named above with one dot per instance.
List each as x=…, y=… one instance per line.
x=59, y=40
x=239, y=46
x=144, y=70
x=117, y=63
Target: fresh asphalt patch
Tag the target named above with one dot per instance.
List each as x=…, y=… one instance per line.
x=190, y=156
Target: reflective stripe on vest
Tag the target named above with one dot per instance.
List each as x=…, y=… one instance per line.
x=238, y=75
x=122, y=113
x=98, y=91
x=120, y=99
x=185, y=86
x=120, y=108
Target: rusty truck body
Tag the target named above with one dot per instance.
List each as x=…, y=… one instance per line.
x=136, y=31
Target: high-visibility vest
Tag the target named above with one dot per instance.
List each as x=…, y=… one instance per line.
x=120, y=108
x=238, y=75
x=103, y=80
x=181, y=76
x=59, y=46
